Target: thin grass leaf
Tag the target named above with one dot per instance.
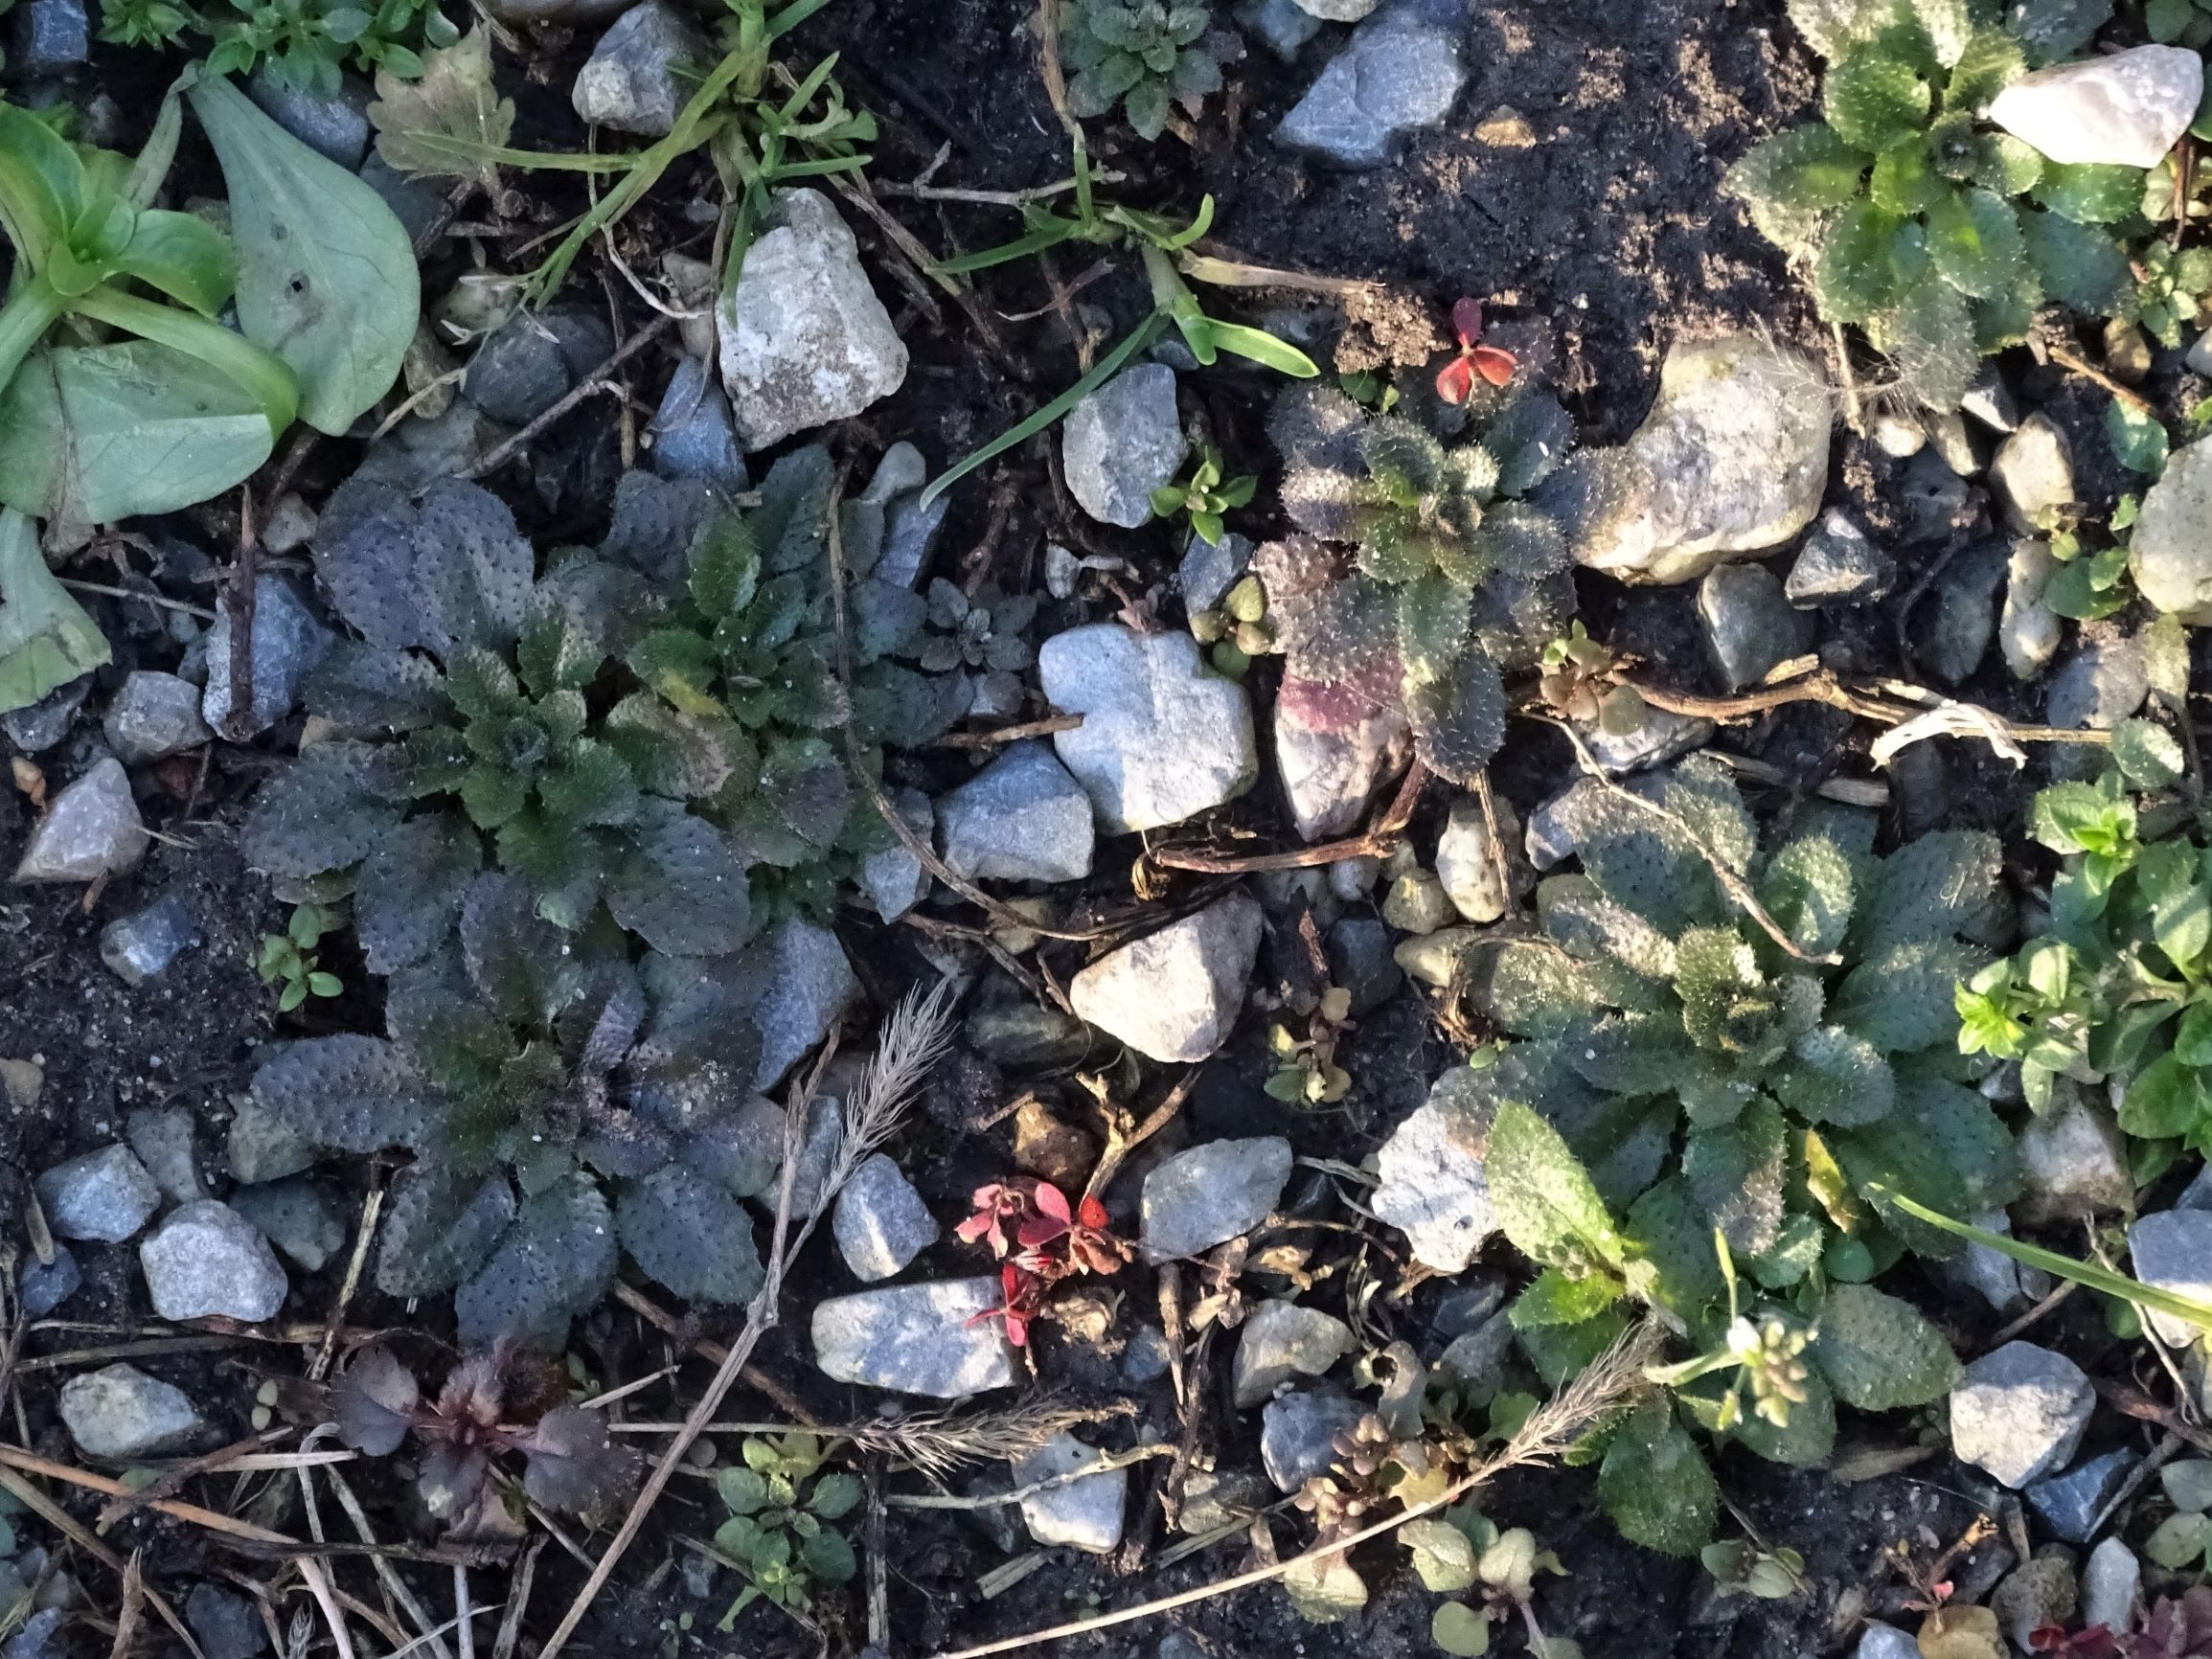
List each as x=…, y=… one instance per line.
x=1262, y=348
x=1036, y=241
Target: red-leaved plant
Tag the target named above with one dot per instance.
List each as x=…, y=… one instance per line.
x=1456, y=380
x=1039, y=1239
x=572, y=1465
x=2173, y=1630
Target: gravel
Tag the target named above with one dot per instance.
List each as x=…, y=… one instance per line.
x=104, y=1196
x=1175, y=994
x=1297, y=1435
x=1022, y=818
x=155, y=715
x=206, y=1260
x=1211, y=1192
x=2019, y=1412
x=145, y=943
x=880, y=1223
x=1122, y=443
x=917, y=1339
x=120, y=1412
x=1280, y=1340
x=91, y=828
x=1085, y=1515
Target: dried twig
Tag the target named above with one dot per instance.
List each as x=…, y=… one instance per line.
x=2128, y=395
x=1378, y=842
x=76, y=1532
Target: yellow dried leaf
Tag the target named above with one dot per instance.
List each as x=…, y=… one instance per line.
x=1961, y=1633
x=452, y=106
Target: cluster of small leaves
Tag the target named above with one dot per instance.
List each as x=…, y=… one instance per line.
x=1846, y=1341
x=1306, y=1070
x=1238, y=630
x=1500, y=1568
x=1904, y=200
x=497, y=1401
x=2172, y=1627
x=977, y=639
x=2120, y=986
x=780, y=1531
x=1658, y=1010
x=1391, y=1458
x=2089, y=584
x=305, y=43
x=1146, y=56
x=1205, y=497
x=1425, y=570
x=2170, y=290
x=1038, y=1239
x=1578, y=681
x=289, y=958
x=564, y=1106
x=1742, y=1566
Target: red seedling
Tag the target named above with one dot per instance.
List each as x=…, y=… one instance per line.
x=2094, y=1642
x=1456, y=380
x=1039, y=1239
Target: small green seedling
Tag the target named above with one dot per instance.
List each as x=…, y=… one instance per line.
x=778, y=1532
x=2170, y=290
x=1205, y=497
x=1147, y=55
x=1306, y=1070
x=289, y=958
x=1238, y=631
x=2089, y=585
x=1739, y=1565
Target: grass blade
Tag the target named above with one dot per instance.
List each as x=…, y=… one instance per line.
x=1263, y=348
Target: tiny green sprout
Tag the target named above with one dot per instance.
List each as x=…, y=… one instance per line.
x=1248, y=601
x=289, y=958
x=1738, y=1564
x=1767, y=1349
x=779, y=1532
x=1306, y=1069
x=1370, y=390
x=2170, y=289
x=1209, y=625
x=1579, y=682
x=1205, y=497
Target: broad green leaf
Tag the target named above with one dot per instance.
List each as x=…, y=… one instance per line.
x=1871, y=98
x=2088, y=193
x=1655, y=1485
x=326, y=276
x=1903, y=181
x=1736, y=1172
x=2137, y=435
x=410, y=889
x=1899, y=1000
x=2080, y=266
x=1974, y=240
x=452, y=99
x=1943, y=1146
x=2171, y=879
x=1930, y=888
x=1441, y=1554
x=1556, y=1299
x=1834, y=1077
x=1325, y=1589
x=1807, y=888
x=1672, y=1233
x=1929, y=334
x=2166, y=1098
x=1545, y=1201
x=553, y=1264
x=2049, y=29
x=183, y=256
x=1792, y=181
x=1856, y=274
x=1460, y=1631
x=690, y=1236
x=1992, y=61
x=438, y=1227
x=46, y=639
x=2147, y=753
x=1877, y=1352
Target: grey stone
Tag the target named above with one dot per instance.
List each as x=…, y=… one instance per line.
x=1432, y=1187
x=1022, y=818
x=2070, y=1503
x=1175, y=994
x=1024, y=1035
x=1083, y=1514
x=1163, y=736
x=1331, y=777
x=654, y=522
x=2171, y=552
x=1397, y=75
x=120, y=1412
x=1211, y=568
x=335, y=125
x=161, y=1137
x=819, y=1138
x=1337, y=11
x=1885, y=1642
x=2198, y=359
x=1297, y=1436
x=1951, y=625
x=1475, y=1362
x=2127, y=109
x=225, y=1622
x=894, y=879
x=2073, y=1162
x=143, y=945
x=1360, y=960
x=43, y=1635
x=880, y=1223
x=1465, y=864
x=2028, y=630
x=206, y=1260
x=261, y=1148
x=1985, y=1269
x=46, y=1286
x=1947, y=433
x=643, y=71
x=909, y=529
x=2032, y=473
x=1281, y=1340
x=2172, y=1251
x=1146, y=1358
x=1735, y=452
x=529, y=362
x=1661, y=736
x=37, y=727
x=1353, y=879
x=2036, y=1594
x=2187, y=1482
x=1209, y=1192
x=1749, y=624
x=2019, y=1412
x=299, y=1218
x=1122, y=443
x=1937, y=501
x=1991, y=401
x=48, y=38
x=91, y=828
x=805, y=340
x=694, y=434
x=917, y=1338
x=155, y=715
x=2100, y=686
x=1284, y=25
x=288, y=640
x=1899, y=437
x=810, y=985
x=1838, y=565
x=104, y=1196
x=2109, y=1582
x=416, y=202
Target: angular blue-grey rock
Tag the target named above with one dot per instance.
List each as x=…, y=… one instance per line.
x=1661, y=736
x=1937, y=500
x=1175, y=994
x=1990, y=400
x=49, y=36
x=881, y=1221
x=654, y=522
x=1400, y=74
x=1024, y=1035
x=529, y=363
x=1209, y=1192
x=299, y=1218
x=1749, y=624
x=1280, y=1340
x=104, y=1195
x=161, y=1138
x=1298, y=1433
x=225, y=1622
x=1952, y=625
x=289, y=640
x=1122, y=443
x=1432, y=1186
x=1211, y=568
x=810, y=985
x=46, y=1286
x=333, y=125
x=2019, y=1413
x=694, y=436
x=206, y=1260
x=894, y=879
x=415, y=202
x=153, y=715
x=2071, y=1503
x=1359, y=960
x=120, y=1412
x=37, y=727
x=1284, y=25
x=1163, y=736
x=1146, y=1359
x=2100, y=686
x=1083, y=1514
x=1022, y=818
x=925, y=1339
x=138, y=946
x=643, y=71
x=1838, y=565
x=91, y=828
x=1885, y=1642
x=2172, y=1251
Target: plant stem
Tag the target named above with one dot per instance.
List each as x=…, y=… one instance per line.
x=24, y=321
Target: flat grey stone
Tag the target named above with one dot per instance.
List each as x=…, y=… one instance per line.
x=1397, y=75
x=2172, y=1251
x=1331, y=776
x=1163, y=736
x=2127, y=109
x=1122, y=443
x=1083, y=1514
x=1361, y=960
x=2019, y=1412
x=917, y=1338
x=1022, y=818
x=2109, y=1582
x=2100, y=686
x=1465, y=864
x=1146, y=1359
x=288, y=640
x=416, y=202
x=1211, y=1193
x=894, y=879
x=811, y=986
x=880, y=1223
x=91, y=828
x=120, y=1412
x=104, y=1196
x=1211, y=568
x=334, y=126
x=694, y=433
x=643, y=71
x=1885, y=1642
x=2070, y=1503
x=1951, y=625
x=1284, y=25
x=155, y=715
x=1661, y=736
x=206, y=1260
x=805, y=340
x=1025, y=1036
x=2074, y=1162
x=162, y=1139
x=1298, y=1433
x=37, y=727
x=1991, y=401
x=48, y=38
x=227, y=1624
x=2171, y=552
x=1280, y=1340
x=1749, y=623
x=140, y=946
x=1838, y=565
x=46, y=1286
x=1433, y=1185
x=2028, y=630
x=299, y=1218
x=1175, y=994
x=529, y=362
x=2032, y=472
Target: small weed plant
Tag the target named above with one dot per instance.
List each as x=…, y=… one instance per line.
x=289, y=959
x=783, y=1508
